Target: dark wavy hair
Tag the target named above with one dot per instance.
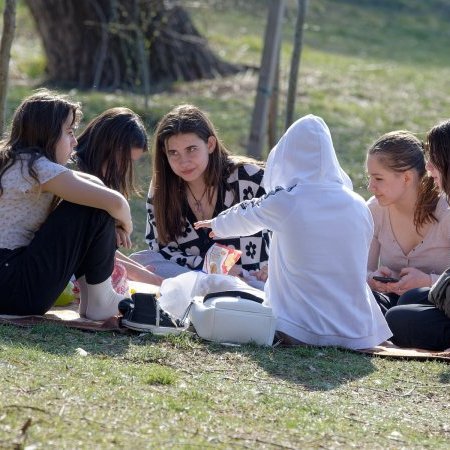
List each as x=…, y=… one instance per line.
x=437, y=149
x=36, y=128
x=169, y=190
x=400, y=151
x=104, y=148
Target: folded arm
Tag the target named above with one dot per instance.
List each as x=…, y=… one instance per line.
x=78, y=189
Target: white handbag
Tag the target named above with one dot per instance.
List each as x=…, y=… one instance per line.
x=227, y=317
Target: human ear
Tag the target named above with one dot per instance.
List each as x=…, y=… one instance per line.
x=408, y=176
x=212, y=142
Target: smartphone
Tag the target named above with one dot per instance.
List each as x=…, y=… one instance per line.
x=385, y=279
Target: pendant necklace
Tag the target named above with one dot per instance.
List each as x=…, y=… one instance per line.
x=198, y=202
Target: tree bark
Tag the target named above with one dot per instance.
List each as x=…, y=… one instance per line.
x=272, y=129
x=9, y=27
x=135, y=45
x=295, y=62
x=272, y=37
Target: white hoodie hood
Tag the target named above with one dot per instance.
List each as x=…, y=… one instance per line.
x=304, y=155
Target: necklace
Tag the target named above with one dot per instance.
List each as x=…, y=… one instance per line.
x=198, y=202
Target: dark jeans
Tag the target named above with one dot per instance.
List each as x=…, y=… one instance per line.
x=417, y=323
x=74, y=239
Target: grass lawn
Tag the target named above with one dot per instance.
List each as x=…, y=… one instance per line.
x=141, y=391
x=367, y=67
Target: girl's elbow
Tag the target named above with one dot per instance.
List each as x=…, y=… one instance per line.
x=118, y=203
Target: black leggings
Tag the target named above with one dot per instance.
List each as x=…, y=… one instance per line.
x=416, y=323
x=74, y=239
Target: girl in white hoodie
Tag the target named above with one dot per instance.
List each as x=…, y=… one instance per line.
x=321, y=236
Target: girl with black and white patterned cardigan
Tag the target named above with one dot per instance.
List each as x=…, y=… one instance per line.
x=195, y=178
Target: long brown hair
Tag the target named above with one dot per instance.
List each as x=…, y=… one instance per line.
x=36, y=128
x=104, y=148
x=437, y=148
x=400, y=151
x=169, y=190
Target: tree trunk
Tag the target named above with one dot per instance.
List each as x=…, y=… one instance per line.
x=295, y=61
x=272, y=37
x=272, y=129
x=9, y=27
x=135, y=45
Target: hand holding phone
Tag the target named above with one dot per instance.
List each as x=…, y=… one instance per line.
x=385, y=279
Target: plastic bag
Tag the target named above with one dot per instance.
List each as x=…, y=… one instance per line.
x=119, y=279
x=219, y=259
x=175, y=293
x=178, y=292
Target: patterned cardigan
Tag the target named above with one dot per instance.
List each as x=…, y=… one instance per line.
x=190, y=248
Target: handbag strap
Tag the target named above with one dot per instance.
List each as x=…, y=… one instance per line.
x=241, y=294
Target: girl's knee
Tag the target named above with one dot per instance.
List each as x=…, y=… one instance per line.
x=414, y=296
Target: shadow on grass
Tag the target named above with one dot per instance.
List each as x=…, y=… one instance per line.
x=63, y=341
x=315, y=368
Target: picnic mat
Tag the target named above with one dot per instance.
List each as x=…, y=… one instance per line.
x=68, y=315
x=64, y=315
x=389, y=350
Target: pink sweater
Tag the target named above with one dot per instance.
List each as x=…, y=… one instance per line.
x=431, y=256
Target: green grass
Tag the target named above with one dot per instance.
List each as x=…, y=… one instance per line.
x=367, y=67
x=180, y=392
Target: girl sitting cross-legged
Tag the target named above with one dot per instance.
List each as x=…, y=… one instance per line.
x=415, y=321
x=321, y=236
x=411, y=241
